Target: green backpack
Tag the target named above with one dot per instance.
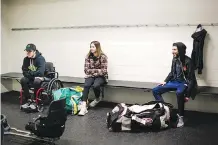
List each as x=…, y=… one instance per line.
x=73, y=97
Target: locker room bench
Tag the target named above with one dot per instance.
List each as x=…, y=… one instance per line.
x=146, y=86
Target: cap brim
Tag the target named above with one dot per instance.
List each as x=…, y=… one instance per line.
x=28, y=50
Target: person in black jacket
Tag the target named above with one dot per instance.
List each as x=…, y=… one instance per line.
x=180, y=79
x=33, y=70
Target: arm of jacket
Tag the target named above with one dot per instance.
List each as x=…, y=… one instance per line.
x=191, y=80
x=170, y=75
x=25, y=69
x=40, y=68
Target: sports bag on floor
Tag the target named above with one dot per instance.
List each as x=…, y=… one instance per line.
x=152, y=115
x=73, y=98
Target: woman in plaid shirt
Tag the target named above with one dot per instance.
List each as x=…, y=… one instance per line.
x=96, y=75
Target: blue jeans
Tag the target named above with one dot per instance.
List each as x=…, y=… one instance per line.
x=177, y=86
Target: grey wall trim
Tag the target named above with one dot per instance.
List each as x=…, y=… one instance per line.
x=112, y=26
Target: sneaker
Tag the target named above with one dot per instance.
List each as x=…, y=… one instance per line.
x=180, y=121
x=25, y=106
x=33, y=106
x=95, y=102
x=83, y=109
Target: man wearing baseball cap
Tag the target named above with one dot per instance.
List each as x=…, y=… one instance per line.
x=33, y=67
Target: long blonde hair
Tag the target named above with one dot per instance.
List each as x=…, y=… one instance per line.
x=97, y=44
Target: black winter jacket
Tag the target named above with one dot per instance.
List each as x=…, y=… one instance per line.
x=197, y=52
x=188, y=70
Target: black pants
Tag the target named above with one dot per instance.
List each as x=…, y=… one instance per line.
x=97, y=82
x=26, y=83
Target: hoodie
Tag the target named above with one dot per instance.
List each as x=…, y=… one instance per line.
x=182, y=51
x=182, y=69
x=34, y=67
x=178, y=62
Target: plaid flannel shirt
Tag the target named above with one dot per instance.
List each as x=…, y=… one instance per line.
x=96, y=68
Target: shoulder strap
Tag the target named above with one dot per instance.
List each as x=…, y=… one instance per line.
x=155, y=102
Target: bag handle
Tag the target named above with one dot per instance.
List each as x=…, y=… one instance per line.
x=155, y=102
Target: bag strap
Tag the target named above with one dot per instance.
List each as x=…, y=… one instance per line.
x=155, y=102
x=75, y=107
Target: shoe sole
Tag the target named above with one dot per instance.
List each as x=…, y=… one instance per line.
x=179, y=126
x=83, y=114
x=93, y=105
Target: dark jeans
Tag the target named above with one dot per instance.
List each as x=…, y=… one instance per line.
x=26, y=83
x=96, y=82
x=180, y=89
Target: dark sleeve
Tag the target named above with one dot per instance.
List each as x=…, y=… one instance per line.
x=40, y=68
x=25, y=69
x=191, y=72
x=191, y=80
x=170, y=75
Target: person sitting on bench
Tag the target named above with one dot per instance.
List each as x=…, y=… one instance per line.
x=33, y=68
x=96, y=75
x=179, y=79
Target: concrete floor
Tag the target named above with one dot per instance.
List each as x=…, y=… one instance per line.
x=200, y=129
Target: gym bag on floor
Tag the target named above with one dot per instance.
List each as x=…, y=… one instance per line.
x=152, y=115
x=73, y=98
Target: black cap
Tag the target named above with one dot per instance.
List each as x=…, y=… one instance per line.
x=30, y=47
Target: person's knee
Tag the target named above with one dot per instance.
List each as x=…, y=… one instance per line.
x=155, y=90
x=37, y=81
x=180, y=93
x=96, y=86
x=87, y=86
x=24, y=80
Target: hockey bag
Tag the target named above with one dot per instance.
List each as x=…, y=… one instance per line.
x=152, y=115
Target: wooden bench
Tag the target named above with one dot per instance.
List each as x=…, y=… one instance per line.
x=146, y=86
x=112, y=83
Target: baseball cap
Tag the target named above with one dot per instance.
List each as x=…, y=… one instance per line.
x=30, y=47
